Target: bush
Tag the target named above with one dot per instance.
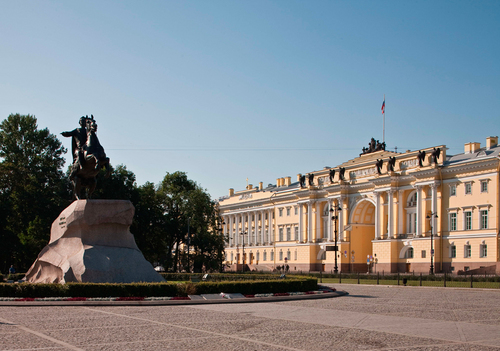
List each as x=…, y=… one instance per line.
x=28, y=290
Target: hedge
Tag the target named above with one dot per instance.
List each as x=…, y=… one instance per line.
x=156, y=289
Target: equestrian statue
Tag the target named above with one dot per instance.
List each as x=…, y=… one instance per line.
x=88, y=157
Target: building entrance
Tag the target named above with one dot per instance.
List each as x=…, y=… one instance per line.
x=361, y=235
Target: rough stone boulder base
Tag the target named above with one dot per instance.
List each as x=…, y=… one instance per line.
x=90, y=241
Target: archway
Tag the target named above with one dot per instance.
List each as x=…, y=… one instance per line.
x=362, y=220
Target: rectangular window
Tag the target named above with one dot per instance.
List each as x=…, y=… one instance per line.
x=453, y=251
x=272, y=255
x=295, y=255
x=453, y=221
x=296, y=210
x=467, y=251
x=483, y=250
x=424, y=254
x=288, y=234
x=281, y=256
x=468, y=188
x=258, y=256
x=483, y=215
x=280, y=234
x=484, y=186
x=453, y=190
x=265, y=256
x=281, y=212
x=288, y=211
x=288, y=255
x=296, y=233
x=468, y=220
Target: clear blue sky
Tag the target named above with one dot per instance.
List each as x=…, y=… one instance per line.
x=226, y=90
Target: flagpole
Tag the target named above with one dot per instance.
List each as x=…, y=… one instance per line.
x=383, y=132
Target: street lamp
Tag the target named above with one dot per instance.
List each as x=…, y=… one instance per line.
x=430, y=217
x=334, y=212
x=188, y=243
x=220, y=229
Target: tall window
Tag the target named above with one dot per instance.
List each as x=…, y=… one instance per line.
x=232, y=257
x=281, y=256
x=288, y=211
x=484, y=186
x=483, y=215
x=483, y=250
x=280, y=234
x=288, y=234
x=295, y=255
x=258, y=256
x=296, y=210
x=468, y=188
x=265, y=256
x=424, y=254
x=296, y=230
x=453, y=190
x=288, y=255
x=453, y=251
x=409, y=253
x=281, y=212
x=453, y=221
x=467, y=251
x=468, y=220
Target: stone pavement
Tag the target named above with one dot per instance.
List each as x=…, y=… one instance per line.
x=369, y=318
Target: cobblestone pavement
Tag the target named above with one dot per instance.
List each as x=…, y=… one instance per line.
x=370, y=318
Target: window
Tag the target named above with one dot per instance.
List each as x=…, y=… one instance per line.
x=264, y=256
x=484, y=186
x=272, y=255
x=281, y=212
x=288, y=234
x=288, y=255
x=296, y=210
x=288, y=211
x=453, y=190
x=468, y=188
x=409, y=253
x=453, y=251
x=483, y=250
x=296, y=233
x=280, y=234
x=266, y=215
x=468, y=220
x=453, y=221
x=295, y=255
x=483, y=217
x=412, y=201
x=232, y=256
x=424, y=253
x=467, y=251
x=281, y=256
x=258, y=256
x=259, y=217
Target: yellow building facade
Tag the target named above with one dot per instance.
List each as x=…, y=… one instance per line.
x=380, y=212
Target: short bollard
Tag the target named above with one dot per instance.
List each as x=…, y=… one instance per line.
x=358, y=277
x=405, y=281
x=378, y=278
x=340, y=278
x=420, y=278
x=398, y=278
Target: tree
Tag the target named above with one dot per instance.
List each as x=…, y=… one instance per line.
x=188, y=209
x=32, y=188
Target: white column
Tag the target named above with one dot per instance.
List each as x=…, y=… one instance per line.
x=341, y=218
x=390, y=205
x=251, y=228
x=418, y=230
x=401, y=206
x=309, y=221
x=301, y=223
x=434, y=206
x=329, y=221
x=271, y=226
x=317, y=233
x=237, y=229
x=377, y=215
x=262, y=227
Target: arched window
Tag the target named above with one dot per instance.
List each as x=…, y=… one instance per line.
x=411, y=213
x=409, y=253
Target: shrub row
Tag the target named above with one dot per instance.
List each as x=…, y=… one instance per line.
x=155, y=289
x=426, y=277
x=219, y=276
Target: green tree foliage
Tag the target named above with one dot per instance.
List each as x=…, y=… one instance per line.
x=120, y=185
x=32, y=188
x=188, y=209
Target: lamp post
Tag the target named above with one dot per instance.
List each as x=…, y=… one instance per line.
x=334, y=212
x=430, y=217
x=220, y=229
x=188, y=243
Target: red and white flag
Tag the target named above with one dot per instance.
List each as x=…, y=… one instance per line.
x=383, y=107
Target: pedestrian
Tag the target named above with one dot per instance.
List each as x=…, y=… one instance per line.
x=12, y=270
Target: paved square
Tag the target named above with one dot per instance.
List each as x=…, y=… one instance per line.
x=370, y=318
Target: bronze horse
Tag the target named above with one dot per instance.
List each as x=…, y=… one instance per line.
x=94, y=159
